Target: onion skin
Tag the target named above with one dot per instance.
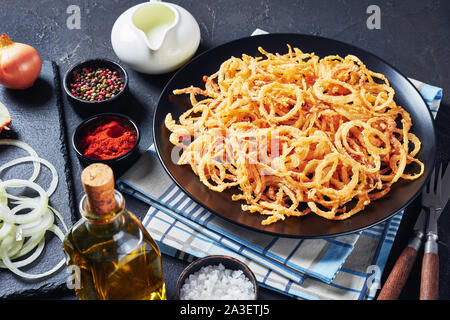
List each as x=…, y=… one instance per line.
x=5, y=117
x=20, y=64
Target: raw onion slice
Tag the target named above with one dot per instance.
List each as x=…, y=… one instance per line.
x=38, y=209
x=30, y=259
x=12, y=267
x=26, y=147
x=53, y=184
x=23, y=226
x=5, y=229
x=27, y=246
x=43, y=223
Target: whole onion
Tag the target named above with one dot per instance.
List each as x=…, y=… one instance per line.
x=20, y=64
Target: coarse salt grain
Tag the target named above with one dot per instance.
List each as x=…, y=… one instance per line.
x=215, y=282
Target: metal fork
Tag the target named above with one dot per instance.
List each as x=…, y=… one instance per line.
x=429, y=284
x=433, y=201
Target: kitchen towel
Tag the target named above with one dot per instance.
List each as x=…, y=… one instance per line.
x=344, y=267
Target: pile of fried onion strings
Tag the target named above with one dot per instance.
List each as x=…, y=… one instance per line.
x=293, y=134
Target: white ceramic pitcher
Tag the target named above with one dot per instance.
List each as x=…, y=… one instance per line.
x=155, y=37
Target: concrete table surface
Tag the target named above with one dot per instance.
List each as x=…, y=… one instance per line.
x=414, y=37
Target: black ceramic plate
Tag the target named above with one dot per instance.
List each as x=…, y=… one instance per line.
x=311, y=225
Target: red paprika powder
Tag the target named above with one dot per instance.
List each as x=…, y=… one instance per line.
x=108, y=140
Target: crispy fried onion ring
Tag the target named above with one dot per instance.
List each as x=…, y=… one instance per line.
x=295, y=134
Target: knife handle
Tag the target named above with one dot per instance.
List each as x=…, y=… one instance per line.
x=429, y=284
x=401, y=270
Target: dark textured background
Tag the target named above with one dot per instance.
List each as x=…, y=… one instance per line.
x=37, y=120
x=414, y=37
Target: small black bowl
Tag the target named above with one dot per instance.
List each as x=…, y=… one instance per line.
x=118, y=163
x=227, y=261
x=95, y=63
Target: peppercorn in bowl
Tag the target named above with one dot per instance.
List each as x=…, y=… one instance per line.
x=95, y=81
x=108, y=138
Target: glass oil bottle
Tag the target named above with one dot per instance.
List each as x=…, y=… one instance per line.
x=111, y=253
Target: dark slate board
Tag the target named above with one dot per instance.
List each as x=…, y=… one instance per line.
x=38, y=119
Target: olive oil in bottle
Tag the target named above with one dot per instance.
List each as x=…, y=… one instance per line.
x=111, y=253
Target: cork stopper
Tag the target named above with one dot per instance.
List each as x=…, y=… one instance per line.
x=98, y=183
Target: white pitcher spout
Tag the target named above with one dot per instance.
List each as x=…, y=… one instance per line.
x=155, y=37
x=153, y=21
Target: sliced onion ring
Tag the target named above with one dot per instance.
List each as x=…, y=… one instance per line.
x=26, y=147
x=39, y=208
x=30, y=259
x=12, y=267
x=22, y=233
x=53, y=184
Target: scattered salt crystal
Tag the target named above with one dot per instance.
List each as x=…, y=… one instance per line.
x=215, y=282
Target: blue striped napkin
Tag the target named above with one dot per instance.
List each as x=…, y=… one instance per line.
x=344, y=267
